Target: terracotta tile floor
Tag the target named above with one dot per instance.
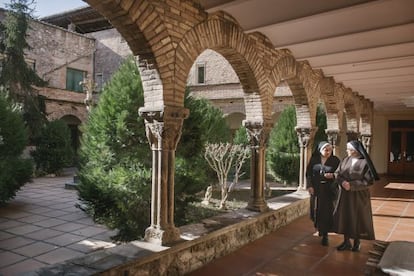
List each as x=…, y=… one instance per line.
x=42, y=226
x=295, y=249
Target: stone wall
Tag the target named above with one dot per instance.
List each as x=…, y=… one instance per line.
x=53, y=50
x=111, y=50
x=201, y=243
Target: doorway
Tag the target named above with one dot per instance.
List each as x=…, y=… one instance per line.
x=401, y=150
x=73, y=123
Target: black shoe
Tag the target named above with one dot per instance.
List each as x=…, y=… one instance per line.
x=346, y=245
x=357, y=246
x=325, y=241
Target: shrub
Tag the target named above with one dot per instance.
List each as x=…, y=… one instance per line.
x=53, y=148
x=14, y=171
x=192, y=173
x=283, y=150
x=115, y=156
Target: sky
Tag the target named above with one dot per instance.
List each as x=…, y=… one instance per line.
x=47, y=7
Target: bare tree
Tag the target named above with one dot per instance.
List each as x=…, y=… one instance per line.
x=221, y=158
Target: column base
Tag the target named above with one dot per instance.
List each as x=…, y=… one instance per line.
x=162, y=237
x=257, y=205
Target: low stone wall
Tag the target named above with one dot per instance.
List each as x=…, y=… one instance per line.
x=214, y=238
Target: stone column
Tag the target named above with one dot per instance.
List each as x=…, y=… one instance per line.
x=333, y=138
x=258, y=134
x=163, y=129
x=366, y=142
x=304, y=135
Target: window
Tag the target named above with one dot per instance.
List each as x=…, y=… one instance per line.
x=74, y=78
x=200, y=73
x=99, y=81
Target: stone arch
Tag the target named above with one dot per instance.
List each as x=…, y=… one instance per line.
x=221, y=33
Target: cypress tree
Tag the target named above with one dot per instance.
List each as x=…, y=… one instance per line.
x=16, y=75
x=283, y=150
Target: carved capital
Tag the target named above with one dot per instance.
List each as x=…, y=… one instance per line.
x=163, y=126
x=366, y=141
x=304, y=135
x=258, y=133
x=333, y=136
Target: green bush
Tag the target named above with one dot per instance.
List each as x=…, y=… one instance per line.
x=282, y=160
x=115, y=156
x=53, y=148
x=192, y=173
x=14, y=171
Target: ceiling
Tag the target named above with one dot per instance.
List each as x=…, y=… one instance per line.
x=366, y=45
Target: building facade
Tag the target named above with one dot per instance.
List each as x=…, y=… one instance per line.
x=64, y=59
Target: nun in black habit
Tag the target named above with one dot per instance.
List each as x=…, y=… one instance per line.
x=321, y=186
x=353, y=217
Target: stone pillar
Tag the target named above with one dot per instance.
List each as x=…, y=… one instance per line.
x=163, y=129
x=304, y=135
x=366, y=142
x=333, y=138
x=258, y=134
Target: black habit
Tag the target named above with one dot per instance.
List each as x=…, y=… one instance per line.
x=324, y=197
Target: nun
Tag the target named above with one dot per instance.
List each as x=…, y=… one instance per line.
x=353, y=214
x=322, y=188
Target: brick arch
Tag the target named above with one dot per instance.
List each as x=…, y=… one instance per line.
x=339, y=92
x=125, y=16
x=297, y=75
x=310, y=79
x=60, y=111
x=71, y=119
x=351, y=112
x=367, y=109
x=152, y=32
x=331, y=102
x=221, y=33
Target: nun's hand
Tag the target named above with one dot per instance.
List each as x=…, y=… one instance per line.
x=310, y=190
x=346, y=185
